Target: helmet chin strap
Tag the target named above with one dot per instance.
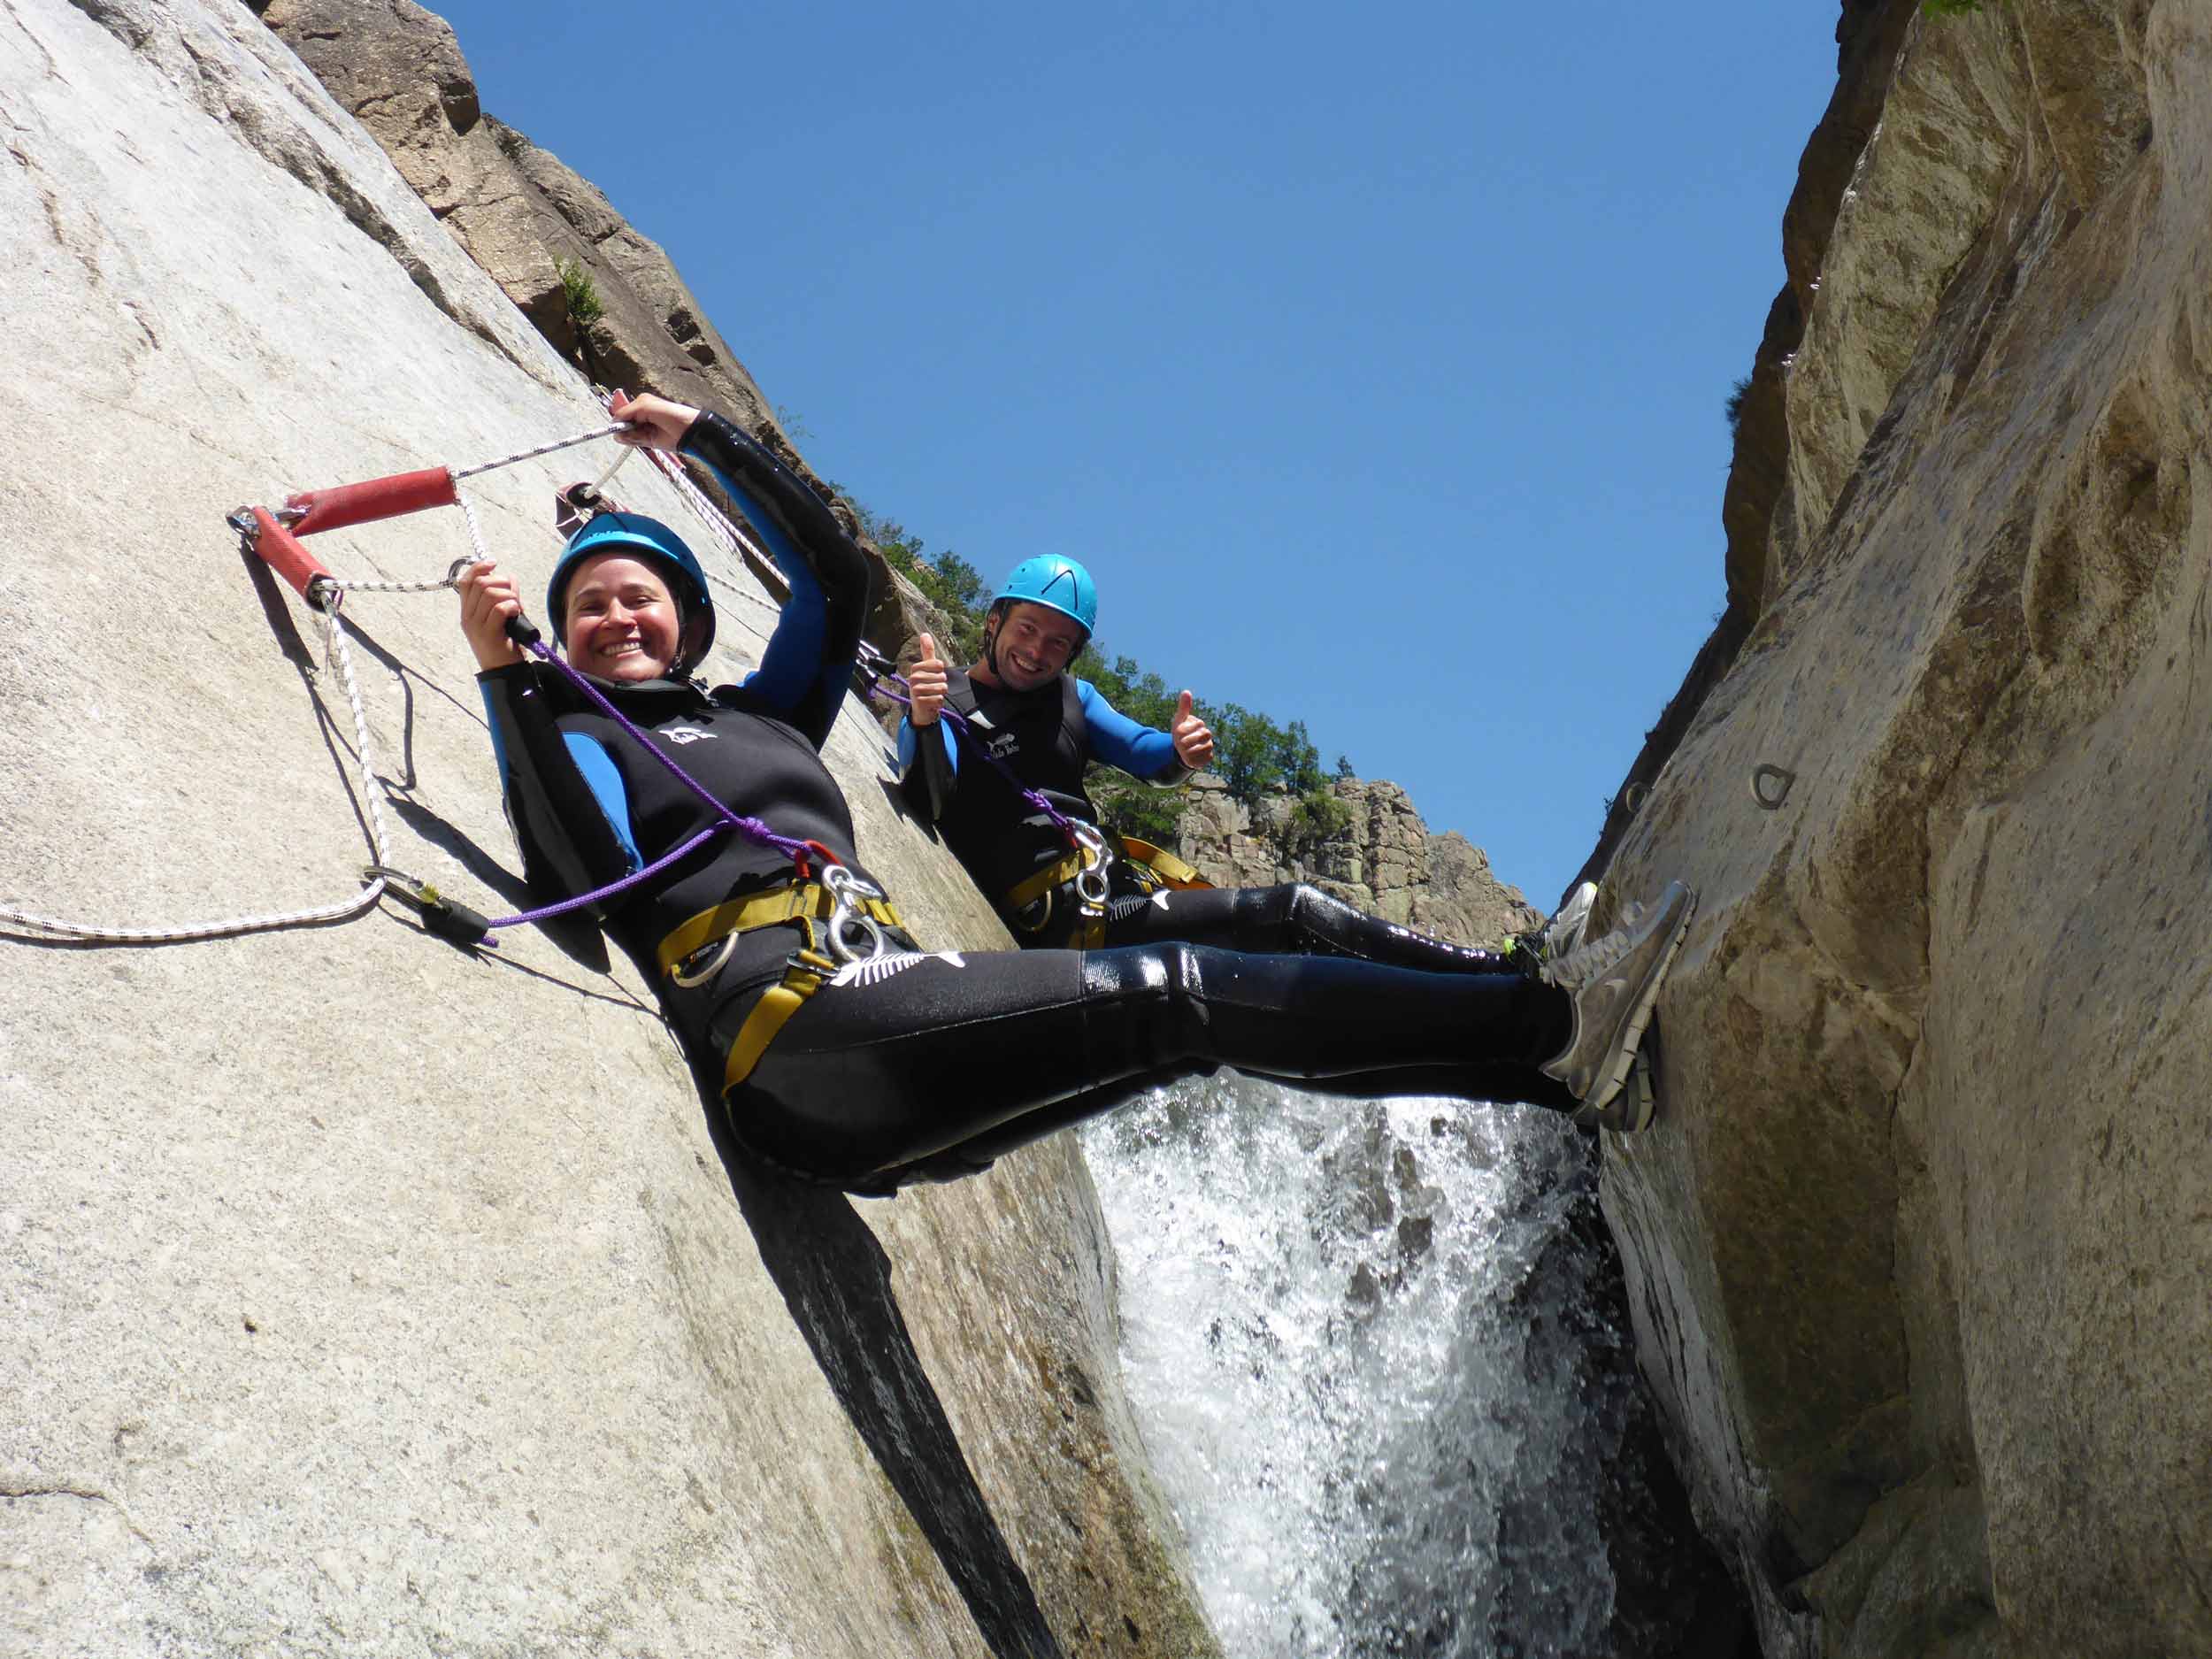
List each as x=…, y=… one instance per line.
x=990, y=641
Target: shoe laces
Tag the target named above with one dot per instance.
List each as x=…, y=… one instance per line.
x=1587, y=963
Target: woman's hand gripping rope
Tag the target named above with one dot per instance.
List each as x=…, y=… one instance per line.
x=656, y=423
x=491, y=603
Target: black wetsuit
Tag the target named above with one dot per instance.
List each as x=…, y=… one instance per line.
x=925, y=1066
x=1045, y=739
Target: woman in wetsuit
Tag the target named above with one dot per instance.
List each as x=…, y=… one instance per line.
x=874, y=1070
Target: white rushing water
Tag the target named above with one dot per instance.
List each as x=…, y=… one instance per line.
x=1351, y=1333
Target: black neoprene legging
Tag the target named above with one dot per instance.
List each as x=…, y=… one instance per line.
x=936, y=1068
x=1293, y=917
x=1300, y=920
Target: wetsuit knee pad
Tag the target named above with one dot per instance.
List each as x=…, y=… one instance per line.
x=1266, y=910
x=1297, y=917
x=1146, y=1005
x=1312, y=910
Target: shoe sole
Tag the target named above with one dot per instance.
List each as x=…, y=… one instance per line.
x=1640, y=1095
x=1615, y=1074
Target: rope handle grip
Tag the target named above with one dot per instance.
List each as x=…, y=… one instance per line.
x=283, y=553
x=343, y=505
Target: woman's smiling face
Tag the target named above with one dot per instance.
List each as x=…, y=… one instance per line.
x=623, y=623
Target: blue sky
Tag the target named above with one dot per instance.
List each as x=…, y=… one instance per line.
x=1374, y=363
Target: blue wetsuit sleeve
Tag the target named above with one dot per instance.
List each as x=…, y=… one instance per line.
x=604, y=782
x=807, y=667
x=910, y=746
x=565, y=797
x=927, y=776
x=1142, y=751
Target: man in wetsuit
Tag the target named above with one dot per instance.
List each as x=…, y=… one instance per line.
x=1003, y=783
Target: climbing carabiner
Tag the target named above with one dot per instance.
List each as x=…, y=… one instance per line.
x=703, y=964
x=854, y=935
x=1090, y=881
x=456, y=924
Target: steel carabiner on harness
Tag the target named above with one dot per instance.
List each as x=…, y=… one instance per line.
x=871, y=668
x=851, y=892
x=1091, y=882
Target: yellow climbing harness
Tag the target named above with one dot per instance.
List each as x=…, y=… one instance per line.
x=1165, y=869
x=1083, y=876
x=694, y=952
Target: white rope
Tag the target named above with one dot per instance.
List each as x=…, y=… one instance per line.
x=476, y=531
x=335, y=648
x=544, y=449
x=358, y=587
x=733, y=540
x=624, y=455
x=338, y=653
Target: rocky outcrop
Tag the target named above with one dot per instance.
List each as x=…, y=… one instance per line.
x=1380, y=858
x=542, y=232
x=363, y=1295
x=1916, y=1255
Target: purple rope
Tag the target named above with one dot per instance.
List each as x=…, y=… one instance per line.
x=751, y=828
x=630, y=880
x=946, y=711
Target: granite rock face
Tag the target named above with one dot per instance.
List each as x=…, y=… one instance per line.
x=1917, y=1254
x=1382, y=859
x=363, y=1295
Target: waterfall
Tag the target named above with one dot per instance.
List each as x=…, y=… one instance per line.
x=1356, y=1336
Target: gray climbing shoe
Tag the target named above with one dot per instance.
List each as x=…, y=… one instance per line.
x=1614, y=981
x=1533, y=953
x=1638, y=1103
x=1563, y=934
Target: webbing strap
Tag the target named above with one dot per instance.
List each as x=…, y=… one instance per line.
x=797, y=900
x=1161, y=862
x=777, y=1005
x=1027, y=892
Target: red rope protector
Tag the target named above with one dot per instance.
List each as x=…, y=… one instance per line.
x=345, y=505
x=285, y=555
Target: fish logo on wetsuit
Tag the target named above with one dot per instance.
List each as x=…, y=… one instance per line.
x=876, y=969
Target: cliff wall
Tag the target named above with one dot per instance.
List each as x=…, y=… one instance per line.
x=1917, y=1255
x=1382, y=858
x=363, y=1295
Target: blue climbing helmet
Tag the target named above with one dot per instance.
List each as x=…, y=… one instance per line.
x=633, y=534
x=1056, y=583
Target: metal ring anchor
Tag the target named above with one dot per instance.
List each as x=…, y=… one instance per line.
x=1770, y=785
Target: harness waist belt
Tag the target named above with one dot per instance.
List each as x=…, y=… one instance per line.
x=797, y=901
x=805, y=902
x=1031, y=888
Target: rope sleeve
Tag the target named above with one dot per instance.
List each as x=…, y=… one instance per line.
x=346, y=504
x=284, y=554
